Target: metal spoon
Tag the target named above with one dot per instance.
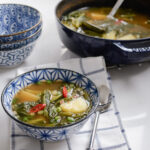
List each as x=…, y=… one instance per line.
x=105, y=97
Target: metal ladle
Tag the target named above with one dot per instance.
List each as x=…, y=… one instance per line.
x=115, y=9
x=105, y=97
x=110, y=17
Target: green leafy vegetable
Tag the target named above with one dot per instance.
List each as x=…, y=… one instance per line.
x=14, y=101
x=49, y=81
x=55, y=98
x=36, y=121
x=70, y=119
x=46, y=100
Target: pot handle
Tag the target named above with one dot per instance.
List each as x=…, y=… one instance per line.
x=137, y=47
x=125, y=52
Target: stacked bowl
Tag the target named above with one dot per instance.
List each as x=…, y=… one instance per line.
x=20, y=27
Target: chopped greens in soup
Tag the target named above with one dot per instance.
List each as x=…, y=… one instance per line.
x=93, y=21
x=51, y=104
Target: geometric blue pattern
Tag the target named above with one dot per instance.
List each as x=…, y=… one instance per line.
x=16, y=56
x=49, y=133
x=20, y=43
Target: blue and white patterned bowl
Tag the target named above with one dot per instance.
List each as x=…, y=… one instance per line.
x=49, y=133
x=20, y=43
x=22, y=36
x=15, y=57
x=16, y=19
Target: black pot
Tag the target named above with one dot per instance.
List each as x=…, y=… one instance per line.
x=115, y=51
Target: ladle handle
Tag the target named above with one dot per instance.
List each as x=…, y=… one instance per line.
x=91, y=143
x=115, y=8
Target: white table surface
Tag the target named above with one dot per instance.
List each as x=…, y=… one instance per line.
x=131, y=84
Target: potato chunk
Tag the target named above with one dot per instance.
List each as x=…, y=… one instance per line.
x=77, y=105
x=96, y=16
x=35, y=92
x=26, y=96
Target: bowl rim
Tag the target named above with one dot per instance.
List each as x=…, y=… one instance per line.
x=14, y=49
x=29, y=37
x=39, y=127
x=11, y=42
x=20, y=32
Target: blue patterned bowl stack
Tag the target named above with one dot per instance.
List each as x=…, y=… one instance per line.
x=48, y=133
x=20, y=27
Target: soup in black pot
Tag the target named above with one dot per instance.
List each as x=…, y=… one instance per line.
x=93, y=21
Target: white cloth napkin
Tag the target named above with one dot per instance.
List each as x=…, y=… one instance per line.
x=110, y=133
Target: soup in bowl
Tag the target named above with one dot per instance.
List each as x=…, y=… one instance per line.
x=51, y=101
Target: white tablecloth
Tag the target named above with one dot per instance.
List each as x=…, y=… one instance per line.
x=130, y=85
x=110, y=132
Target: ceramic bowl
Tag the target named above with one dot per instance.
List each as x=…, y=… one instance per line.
x=12, y=58
x=17, y=19
x=20, y=43
x=22, y=36
x=48, y=133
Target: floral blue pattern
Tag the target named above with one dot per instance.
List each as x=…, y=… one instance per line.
x=49, y=133
x=15, y=20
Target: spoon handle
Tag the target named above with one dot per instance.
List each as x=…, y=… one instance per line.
x=115, y=8
x=91, y=143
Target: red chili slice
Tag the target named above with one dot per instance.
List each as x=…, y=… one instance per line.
x=65, y=92
x=118, y=22
x=37, y=108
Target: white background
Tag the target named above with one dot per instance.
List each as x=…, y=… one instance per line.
x=131, y=84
